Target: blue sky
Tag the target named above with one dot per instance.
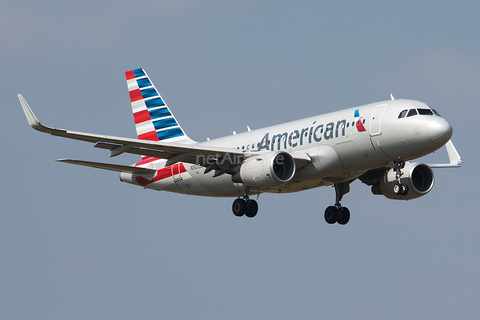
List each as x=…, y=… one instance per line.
x=76, y=243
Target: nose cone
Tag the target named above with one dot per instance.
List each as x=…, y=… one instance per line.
x=440, y=131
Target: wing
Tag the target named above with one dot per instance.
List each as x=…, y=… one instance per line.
x=174, y=152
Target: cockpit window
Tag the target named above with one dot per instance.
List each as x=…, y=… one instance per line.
x=402, y=114
x=420, y=111
x=427, y=112
x=412, y=112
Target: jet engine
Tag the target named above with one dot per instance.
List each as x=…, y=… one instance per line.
x=418, y=178
x=268, y=170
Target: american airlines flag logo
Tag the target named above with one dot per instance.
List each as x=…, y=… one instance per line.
x=153, y=119
x=359, y=121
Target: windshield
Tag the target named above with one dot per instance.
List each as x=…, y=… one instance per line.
x=419, y=111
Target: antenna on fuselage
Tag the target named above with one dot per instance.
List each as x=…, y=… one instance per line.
x=391, y=96
x=248, y=128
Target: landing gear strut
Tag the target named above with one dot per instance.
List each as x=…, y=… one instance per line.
x=400, y=188
x=245, y=206
x=337, y=213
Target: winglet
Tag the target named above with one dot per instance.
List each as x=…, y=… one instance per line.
x=31, y=118
x=453, y=156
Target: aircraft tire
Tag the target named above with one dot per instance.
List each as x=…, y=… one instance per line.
x=331, y=215
x=344, y=216
x=400, y=189
x=239, y=207
x=252, y=208
x=397, y=189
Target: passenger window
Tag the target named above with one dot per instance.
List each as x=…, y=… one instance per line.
x=426, y=112
x=402, y=114
x=412, y=112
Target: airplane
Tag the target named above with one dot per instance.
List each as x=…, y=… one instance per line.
x=374, y=143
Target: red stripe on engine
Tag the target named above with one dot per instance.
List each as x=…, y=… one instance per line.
x=141, y=116
x=129, y=75
x=135, y=95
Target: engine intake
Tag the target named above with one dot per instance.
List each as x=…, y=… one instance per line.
x=417, y=177
x=269, y=170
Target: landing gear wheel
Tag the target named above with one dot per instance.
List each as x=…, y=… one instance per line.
x=400, y=189
x=397, y=189
x=331, y=215
x=239, y=207
x=344, y=216
x=252, y=208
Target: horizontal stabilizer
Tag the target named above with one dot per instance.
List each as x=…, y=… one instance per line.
x=108, y=166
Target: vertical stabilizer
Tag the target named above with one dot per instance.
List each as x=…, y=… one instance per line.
x=153, y=119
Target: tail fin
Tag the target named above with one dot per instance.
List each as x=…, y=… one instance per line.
x=153, y=119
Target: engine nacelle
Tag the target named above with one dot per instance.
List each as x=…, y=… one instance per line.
x=417, y=177
x=268, y=170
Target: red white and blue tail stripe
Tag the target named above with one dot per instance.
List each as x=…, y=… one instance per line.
x=153, y=119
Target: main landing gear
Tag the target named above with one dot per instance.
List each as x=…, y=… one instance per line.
x=245, y=206
x=400, y=188
x=337, y=213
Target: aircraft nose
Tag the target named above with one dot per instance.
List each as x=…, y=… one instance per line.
x=440, y=130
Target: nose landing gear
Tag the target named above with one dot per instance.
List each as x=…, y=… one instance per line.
x=400, y=188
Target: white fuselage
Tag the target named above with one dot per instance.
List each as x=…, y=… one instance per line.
x=341, y=145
